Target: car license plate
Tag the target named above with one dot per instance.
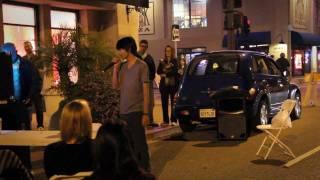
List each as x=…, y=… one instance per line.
x=207, y=113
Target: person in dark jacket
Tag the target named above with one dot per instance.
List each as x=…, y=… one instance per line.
x=182, y=67
x=36, y=98
x=16, y=99
x=168, y=70
x=73, y=153
x=283, y=63
x=148, y=59
x=114, y=157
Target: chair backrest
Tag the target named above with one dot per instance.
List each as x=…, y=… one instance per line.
x=288, y=105
x=282, y=118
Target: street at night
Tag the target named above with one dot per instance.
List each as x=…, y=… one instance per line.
x=159, y=89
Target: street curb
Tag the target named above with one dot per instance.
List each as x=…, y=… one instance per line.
x=163, y=133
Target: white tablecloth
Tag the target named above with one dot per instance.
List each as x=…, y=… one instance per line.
x=34, y=138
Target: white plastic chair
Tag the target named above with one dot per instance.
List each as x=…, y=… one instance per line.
x=281, y=121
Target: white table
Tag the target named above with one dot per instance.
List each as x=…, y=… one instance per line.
x=34, y=138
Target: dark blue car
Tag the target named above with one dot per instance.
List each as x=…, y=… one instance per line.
x=254, y=74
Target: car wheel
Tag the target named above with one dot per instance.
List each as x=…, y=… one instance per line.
x=296, y=113
x=262, y=117
x=186, y=125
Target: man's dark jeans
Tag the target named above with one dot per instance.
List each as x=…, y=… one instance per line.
x=138, y=137
x=37, y=101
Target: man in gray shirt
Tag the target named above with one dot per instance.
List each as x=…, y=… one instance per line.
x=132, y=79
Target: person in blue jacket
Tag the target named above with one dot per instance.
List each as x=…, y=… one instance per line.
x=16, y=99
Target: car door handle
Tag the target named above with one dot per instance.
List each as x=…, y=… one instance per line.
x=209, y=91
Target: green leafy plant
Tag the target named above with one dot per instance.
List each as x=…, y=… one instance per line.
x=88, y=53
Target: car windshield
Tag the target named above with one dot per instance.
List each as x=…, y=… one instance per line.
x=213, y=64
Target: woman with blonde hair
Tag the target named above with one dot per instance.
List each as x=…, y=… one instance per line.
x=73, y=153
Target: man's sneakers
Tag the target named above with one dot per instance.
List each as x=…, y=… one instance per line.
x=40, y=128
x=174, y=124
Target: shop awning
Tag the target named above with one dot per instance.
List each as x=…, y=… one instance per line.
x=139, y=3
x=253, y=38
x=100, y=4
x=306, y=39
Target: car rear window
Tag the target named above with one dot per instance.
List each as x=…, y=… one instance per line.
x=213, y=64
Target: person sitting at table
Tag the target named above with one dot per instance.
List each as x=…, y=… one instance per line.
x=73, y=153
x=114, y=158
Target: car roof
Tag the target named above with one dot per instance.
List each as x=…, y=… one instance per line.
x=246, y=52
x=238, y=51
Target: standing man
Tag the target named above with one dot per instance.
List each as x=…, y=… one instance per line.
x=132, y=79
x=148, y=59
x=36, y=98
x=283, y=63
x=16, y=116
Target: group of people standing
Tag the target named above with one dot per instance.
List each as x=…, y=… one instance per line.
x=170, y=71
x=123, y=142
x=20, y=88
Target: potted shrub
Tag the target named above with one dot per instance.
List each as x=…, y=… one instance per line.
x=77, y=60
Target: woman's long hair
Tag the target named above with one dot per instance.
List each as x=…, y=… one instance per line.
x=172, y=52
x=114, y=158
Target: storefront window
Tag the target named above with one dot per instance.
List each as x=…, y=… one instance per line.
x=190, y=13
x=198, y=13
x=19, y=27
x=63, y=20
x=62, y=24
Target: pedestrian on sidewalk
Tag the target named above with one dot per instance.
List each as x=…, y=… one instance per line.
x=168, y=70
x=148, y=59
x=283, y=64
x=36, y=97
x=182, y=67
x=132, y=79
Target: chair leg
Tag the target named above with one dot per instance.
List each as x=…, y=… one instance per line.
x=274, y=140
x=269, y=149
x=258, y=152
x=287, y=150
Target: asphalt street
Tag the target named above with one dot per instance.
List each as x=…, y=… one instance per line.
x=201, y=156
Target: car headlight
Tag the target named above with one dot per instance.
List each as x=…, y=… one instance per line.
x=252, y=91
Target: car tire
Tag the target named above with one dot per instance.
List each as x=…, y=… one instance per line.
x=296, y=112
x=262, y=115
x=186, y=125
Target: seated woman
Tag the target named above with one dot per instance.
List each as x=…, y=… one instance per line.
x=73, y=153
x=113, y=155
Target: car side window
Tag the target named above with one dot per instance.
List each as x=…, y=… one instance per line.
x=272, y=67
x=199, y=69
x=261, y=66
